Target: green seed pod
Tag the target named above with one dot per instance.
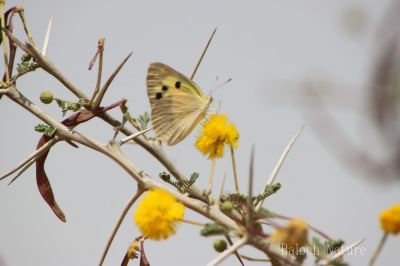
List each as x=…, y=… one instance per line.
x=226, y=206
x=220, y=245
x=46, y=97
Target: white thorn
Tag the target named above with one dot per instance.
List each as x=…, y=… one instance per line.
x=345, y=250
x=135, y=135
x=47, y=37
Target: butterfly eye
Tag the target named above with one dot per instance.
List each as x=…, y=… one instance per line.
x=164, y=88
x=177, y=84
x=159, y=95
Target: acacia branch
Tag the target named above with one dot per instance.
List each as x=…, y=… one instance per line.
x=228, y=252
x=119, y=222
x=112, y=150
x=155, y=150
x=32, y=158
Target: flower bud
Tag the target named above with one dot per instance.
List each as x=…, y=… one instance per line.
x=46, y=97
x=220, y=245
x=226, y=206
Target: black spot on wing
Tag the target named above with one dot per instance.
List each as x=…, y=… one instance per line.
x=177, y=84
x=164, y=87
x=158, y=95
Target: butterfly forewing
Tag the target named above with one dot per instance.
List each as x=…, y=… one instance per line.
x=177, y=103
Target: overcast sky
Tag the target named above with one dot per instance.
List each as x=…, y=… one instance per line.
x=268, y=48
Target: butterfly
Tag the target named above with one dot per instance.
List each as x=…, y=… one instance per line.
x=177, y=103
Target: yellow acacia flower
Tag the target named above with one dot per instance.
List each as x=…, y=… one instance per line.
x=158, y=213
x=216, y=132
x=390, y=219
x=293, y=235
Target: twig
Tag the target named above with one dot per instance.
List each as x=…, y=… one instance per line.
x=313, y=228
x=253, y=259
x=235, y=177
x=220, y=191
x=343, y=251
x=47, y=38
x=119, y=222
x=229, y=239
x=103, y=91
x=276, y=257
x=249, y=214
x=21, y=13
x=3, y=91
x=278, y=166
x=378, y=249
x=34, y=160
x=47, y=65
x=100, y=53
x=113, y=152
x=228, y=252
x=211, y=177
x=22, y=171
x=154, y=150
x=202, y=54
x=193, y=222
x=5, y=44
x=32, y=157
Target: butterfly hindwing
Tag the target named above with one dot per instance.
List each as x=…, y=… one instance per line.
x=177, y=103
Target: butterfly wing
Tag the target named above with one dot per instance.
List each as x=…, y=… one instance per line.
x=177, y=103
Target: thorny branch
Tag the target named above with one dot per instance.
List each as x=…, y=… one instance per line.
x=153, y=148
x=194, y=199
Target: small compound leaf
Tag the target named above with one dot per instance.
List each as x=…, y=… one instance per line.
x=213, y=229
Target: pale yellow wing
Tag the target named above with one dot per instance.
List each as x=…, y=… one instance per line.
x=177, y=103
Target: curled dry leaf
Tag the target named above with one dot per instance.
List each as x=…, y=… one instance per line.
x=42, y=181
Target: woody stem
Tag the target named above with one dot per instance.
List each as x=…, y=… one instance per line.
x=234, y=169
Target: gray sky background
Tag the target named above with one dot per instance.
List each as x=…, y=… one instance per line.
x=268, y=48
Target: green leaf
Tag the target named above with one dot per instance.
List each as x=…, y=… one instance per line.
x=268, y=191
x=26, y=65
x=46, y=129
x=144, y=120
x=182, y=185
x=264, y=213
x=300, y=257
x=213, y=230
x=338, y=263
x=318, y=248
x=164, y=176
x=68, y=105
x=332, y=245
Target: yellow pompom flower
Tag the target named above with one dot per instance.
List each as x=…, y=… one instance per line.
x=390, y=219
x=293, y=235
x=158, y=214
x=216, y=132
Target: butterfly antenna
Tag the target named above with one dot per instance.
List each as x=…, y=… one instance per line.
x=219, y=86
x=202, y=54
